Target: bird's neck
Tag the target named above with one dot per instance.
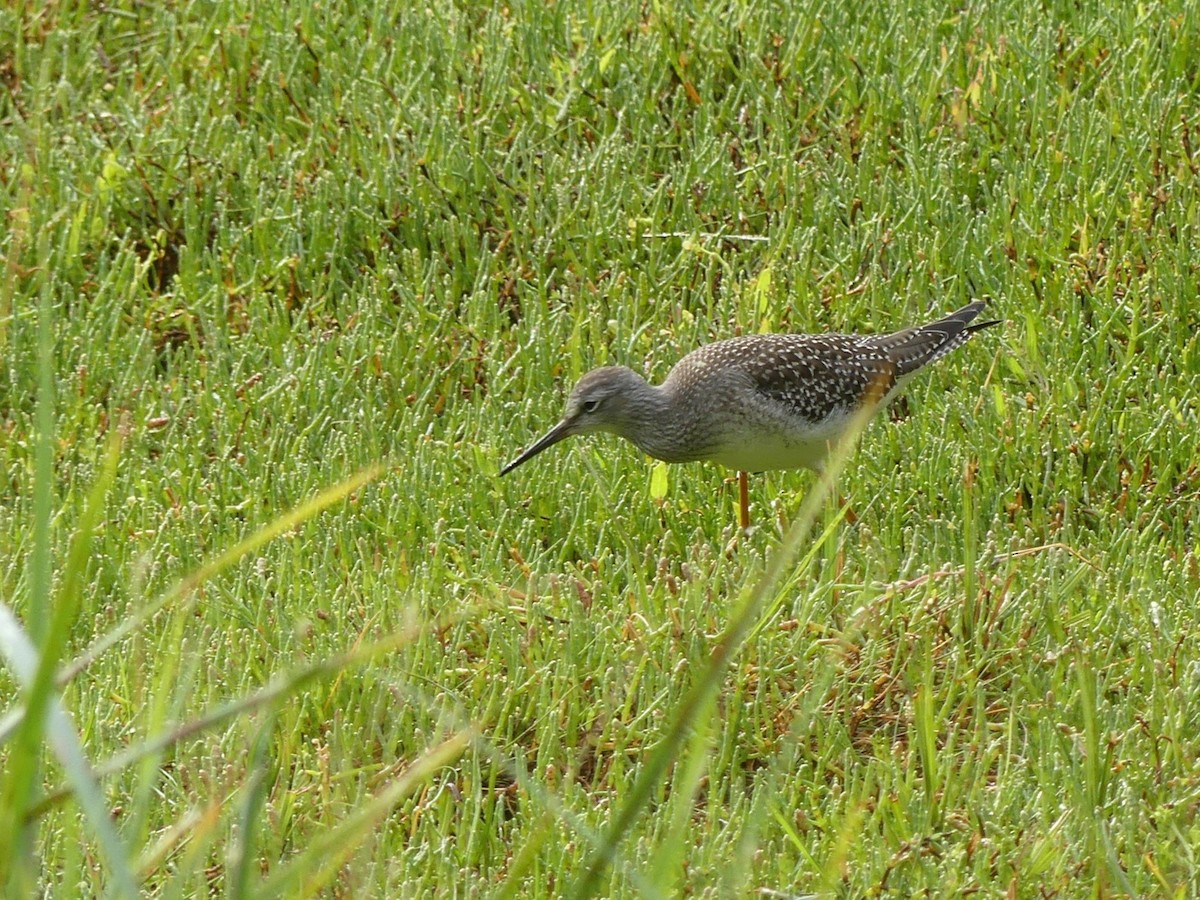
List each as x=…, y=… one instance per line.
x=659, y=424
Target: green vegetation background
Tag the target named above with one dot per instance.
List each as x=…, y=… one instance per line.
x=273, y=244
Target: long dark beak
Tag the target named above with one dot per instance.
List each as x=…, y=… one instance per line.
x=549, y=439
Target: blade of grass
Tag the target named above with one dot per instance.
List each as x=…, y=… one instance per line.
x=308, y=873
x=741, y=623
x=768, y=790
x=66, y=605
x=21, y=776
x=196, y=848
x=925, y=725
x=189, y=583
x=672, y=851
x=61, y=612
x=254, y=795
x=177, y=678
x=22, y=658
x=153, y=856
x=525, y=856
x=278, y=688
x=803, y=565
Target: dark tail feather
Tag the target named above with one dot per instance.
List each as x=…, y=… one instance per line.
x=913, y=348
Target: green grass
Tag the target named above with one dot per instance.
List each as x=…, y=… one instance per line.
x=253, y=251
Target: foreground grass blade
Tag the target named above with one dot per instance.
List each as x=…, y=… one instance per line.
x=254, y=795
x=51, y=615
x=693, y=764
x=289, y=520
x=21, y=777
x=308, y=873
x=67, y=601
x=278, y=689
x=22, y=657
x=699, y=697
x=189, y=583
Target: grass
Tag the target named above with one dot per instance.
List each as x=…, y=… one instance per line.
x=285, y=286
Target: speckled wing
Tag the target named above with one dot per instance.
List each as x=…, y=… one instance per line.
x=817, y=377
x=821, y=376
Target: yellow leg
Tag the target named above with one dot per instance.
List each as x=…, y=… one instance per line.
x=743, y=500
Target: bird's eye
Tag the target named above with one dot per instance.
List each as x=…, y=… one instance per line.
x=590, y=406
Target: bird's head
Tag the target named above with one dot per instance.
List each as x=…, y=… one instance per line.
x=603, y=400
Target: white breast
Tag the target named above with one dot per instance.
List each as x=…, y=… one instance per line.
x=773, y=453
x=785, y=446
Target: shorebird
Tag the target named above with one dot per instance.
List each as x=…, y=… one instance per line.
x=760, y=401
